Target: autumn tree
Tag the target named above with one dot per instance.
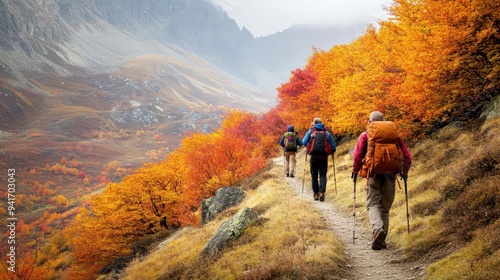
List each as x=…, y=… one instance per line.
x=430, y=63
x=300, y=99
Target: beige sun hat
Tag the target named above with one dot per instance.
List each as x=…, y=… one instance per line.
x=376, y=116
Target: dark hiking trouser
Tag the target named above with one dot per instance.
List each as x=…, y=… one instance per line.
x=319, y=167
x=379, y=199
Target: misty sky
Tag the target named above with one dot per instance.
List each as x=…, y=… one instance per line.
x=264, y=17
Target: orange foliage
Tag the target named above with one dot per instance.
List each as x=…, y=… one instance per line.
x=300, y=98
x=26, y=268
x=158, y=137
x=165, y=194
x=431, y=63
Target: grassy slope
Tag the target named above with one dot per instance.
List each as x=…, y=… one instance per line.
x=288, y=238
x=453, y=201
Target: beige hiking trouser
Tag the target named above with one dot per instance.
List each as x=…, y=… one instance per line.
x=379, y=199
x=290, y=163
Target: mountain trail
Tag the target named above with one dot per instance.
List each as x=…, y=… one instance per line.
x=362, y=261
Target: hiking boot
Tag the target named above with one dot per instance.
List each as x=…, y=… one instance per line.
x=383, y=245
x=322, y=196
x=287, y=175
x=291, y=175
x=378, y=239
x=316, y=196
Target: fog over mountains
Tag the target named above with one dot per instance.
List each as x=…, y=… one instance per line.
x=135, y=63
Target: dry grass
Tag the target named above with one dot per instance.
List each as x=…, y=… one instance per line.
x=290, y=239
x=453, y=205
x=478, y=260
x=454, y=201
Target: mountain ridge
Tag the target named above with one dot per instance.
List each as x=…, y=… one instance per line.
x=66, y=39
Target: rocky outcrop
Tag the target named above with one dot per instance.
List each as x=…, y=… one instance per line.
x=228, y=231
x=492, y=110
x=224, y=198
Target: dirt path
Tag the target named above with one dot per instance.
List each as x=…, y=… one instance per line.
x=365, y=263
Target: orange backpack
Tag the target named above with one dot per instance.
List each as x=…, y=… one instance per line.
x=384, y=153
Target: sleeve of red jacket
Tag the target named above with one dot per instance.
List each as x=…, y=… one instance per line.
x=406, y=155
x=360, y=152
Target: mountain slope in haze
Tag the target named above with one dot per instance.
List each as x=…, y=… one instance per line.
x=59, y=39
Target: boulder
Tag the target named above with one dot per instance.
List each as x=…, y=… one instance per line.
x=228, y=231
x=224, y=198
x=492, y=110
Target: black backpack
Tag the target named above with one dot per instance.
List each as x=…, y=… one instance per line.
x=318, y=145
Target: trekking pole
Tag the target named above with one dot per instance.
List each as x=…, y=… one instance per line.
x=405, y=177
x=354, y=210
x=304, y=177
x=334, y=175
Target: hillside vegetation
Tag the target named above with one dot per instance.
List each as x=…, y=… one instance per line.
x=453, y=202
x=290, y=241
x=456, y=234
x=432, y=64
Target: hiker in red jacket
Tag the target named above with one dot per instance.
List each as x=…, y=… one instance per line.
x=380, y=187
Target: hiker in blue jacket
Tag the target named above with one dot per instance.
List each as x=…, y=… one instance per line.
x=319, y=152
x=290, y=142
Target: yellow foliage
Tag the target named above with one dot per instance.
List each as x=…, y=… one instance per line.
x=61, y=200
x=139, y=133
x=430, y=63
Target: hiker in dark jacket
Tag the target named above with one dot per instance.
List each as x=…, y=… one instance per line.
x=290, y=150
x=319, y=163
x=381, y=187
